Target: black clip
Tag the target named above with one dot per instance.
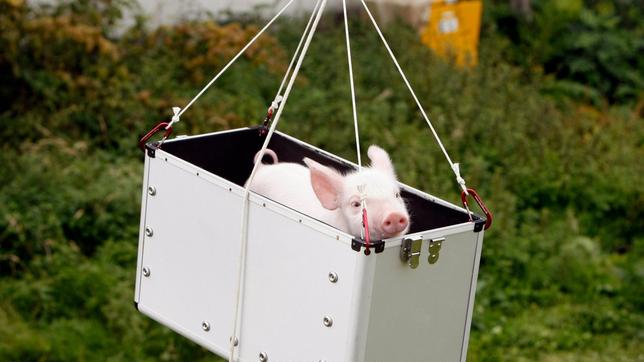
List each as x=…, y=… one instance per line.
x=151, y=148
x=378, y=246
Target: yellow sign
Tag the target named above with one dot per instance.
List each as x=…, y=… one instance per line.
x=453, y=30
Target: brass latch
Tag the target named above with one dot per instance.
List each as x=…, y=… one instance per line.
x=434, y=249
x=410, y=252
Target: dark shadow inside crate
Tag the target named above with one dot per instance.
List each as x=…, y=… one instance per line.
x=230, y=156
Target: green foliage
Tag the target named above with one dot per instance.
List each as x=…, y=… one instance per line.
x=591, y=47
x=562, y=272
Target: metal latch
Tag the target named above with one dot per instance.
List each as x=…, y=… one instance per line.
x=434, y=249
x=410, y=252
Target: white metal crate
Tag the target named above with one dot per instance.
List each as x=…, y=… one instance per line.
x=308, y=296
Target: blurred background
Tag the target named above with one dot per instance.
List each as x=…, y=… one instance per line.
x=541, y=101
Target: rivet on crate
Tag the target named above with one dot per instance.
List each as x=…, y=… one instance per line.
x=152, y=191
x=333, y=277
x=146, y=271
x=235, y=341
x=328, y=322
x=149, y=231
x=205, y=326
x=263, y=357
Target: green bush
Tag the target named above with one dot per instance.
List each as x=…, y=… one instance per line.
x=591, y=48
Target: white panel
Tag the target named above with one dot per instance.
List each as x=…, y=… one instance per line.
x=192, y=254
x=288, y=292
x=421, y=314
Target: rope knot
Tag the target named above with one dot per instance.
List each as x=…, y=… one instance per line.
x=276, y=102
x=175, y=117
x=459, y=179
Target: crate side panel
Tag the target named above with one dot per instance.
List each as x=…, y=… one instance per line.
x=191, y=254
x=470, y=309
x=288, y=292
x=421, y=314
x=144, y=199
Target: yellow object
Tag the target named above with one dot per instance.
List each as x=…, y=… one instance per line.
x=453, y=30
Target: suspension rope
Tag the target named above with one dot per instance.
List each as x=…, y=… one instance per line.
x=364, y=231
x=177, y=116
x=245, y=200
x=299, y=45
x=278, y=96
x=351, y=84
x=454, y=166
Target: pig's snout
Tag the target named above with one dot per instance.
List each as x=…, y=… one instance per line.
x=393, y=224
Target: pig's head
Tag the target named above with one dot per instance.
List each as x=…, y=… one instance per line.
x=388, y=216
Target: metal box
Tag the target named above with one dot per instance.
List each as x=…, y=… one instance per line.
x=311, y=293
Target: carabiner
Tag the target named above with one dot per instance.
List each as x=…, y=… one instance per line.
x=154, y=131
x=479, y=201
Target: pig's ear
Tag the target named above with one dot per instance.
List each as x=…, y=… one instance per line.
x=380, y=160
x=326, y=183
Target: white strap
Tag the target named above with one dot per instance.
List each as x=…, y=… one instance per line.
x=176, y=117
x=361, y=188
x=245, y=200
x=459, y=179
x=351, y=84
x=278, y=97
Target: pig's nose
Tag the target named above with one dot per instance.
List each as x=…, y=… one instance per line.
x=394, y=223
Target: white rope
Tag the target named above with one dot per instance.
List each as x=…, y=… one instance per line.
x=245, y=201
x=177, y=116
x=361, y=188
x=351, y=84
x=278, y=97
x=453, y=166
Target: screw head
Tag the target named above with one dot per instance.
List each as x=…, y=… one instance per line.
x=146, y=271
x=234, y=341
x=263, y=357
x=328, y=322
x=149, y=231
x=205, y=326
x=333, y=277
x=152, y=191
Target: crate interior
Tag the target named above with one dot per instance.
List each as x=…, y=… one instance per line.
x=230, y=156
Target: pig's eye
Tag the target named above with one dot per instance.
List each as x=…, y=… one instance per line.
x=355, y=204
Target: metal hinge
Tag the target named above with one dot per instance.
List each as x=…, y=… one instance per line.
x=434, y=249
x=410, y=251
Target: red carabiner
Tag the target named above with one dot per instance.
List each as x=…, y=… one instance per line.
x=154, y=131
x=477, y=198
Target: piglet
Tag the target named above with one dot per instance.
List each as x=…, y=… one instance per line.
x=325, y=194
